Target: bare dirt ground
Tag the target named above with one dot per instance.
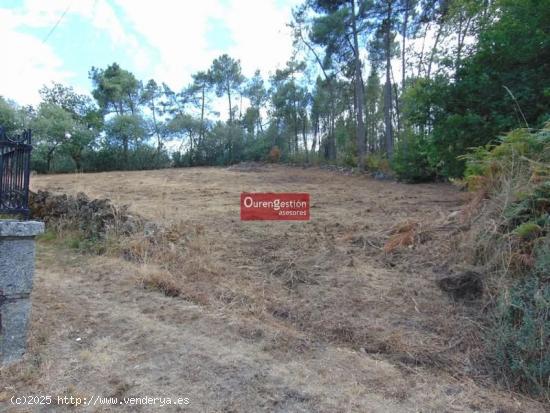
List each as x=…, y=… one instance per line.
x=266, y=316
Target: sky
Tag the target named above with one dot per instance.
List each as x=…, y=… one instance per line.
x=166, y=40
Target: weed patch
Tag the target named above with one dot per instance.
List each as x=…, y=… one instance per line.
x=510, y=233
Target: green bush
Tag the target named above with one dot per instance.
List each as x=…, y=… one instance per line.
x=514, y=177
x=519, y=336
x=528, y=230
x=257, y=149
x=411, y=160
x=376, y=162
x=109, y=158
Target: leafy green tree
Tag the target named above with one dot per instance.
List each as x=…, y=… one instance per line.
x=77, y=141
x=126, y=130
x=373, y=112
x=80, y=106
x=87, y=119
x=183, y=126
x=177, y=106
x=116, y=90
x=202, y=82
x=383, y=47
x=286, y=95
x=151, y=96
x=52, y=127
x=226, y=76
x=258, y=95
x=11, y=116
x=323, y=99
x=503, y=85
x=337, y=28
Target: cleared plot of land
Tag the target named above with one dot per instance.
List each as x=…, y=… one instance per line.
x=267, y=316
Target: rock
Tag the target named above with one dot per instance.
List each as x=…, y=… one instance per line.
x=464, y=285
x=92, y=217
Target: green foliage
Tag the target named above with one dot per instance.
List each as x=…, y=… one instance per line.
x=47, y=236
x=11, y=117
x=472, y=83
x=377, y=162
x=226, y=76
x=116, y=90
x=411, y=159
x=109, y=158
x=519, y=337
x=513, y=174
x=259, y=150
x=126, y=129
x=519, y=150
x=502, y=86
x=528, y=230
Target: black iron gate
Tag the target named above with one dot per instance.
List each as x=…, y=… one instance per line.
x=15, y=157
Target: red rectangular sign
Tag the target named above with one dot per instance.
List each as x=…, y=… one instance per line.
x=256, y=206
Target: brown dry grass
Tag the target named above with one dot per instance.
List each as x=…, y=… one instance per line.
x=260, y=316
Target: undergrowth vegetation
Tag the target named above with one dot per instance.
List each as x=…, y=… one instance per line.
x=510, y=238
x=168, y=254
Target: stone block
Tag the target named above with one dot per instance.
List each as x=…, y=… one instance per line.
x=16, y=279
x=14, y=318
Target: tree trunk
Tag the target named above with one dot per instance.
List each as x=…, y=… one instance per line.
x=421, y=58
x=259, y=121
x=403, y=63
x=315, y=131
x=330, y=147
x=403, y=54
x=387, y=87
x=460, y=45
x=331, y=137
x=159, y=140
x=359, y=98
x=201, y=134
x=77, y=157
x=274, y=138
x=434, y=49
x=304, y=124
x=295, y=119
x=230, y=111
x=49, y=157
x=125, y=149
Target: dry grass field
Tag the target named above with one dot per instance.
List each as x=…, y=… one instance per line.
x=338, y=314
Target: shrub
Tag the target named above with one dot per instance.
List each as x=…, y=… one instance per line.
x=410, y=161
x=257, y=149
x=512, y=240
x=349, y=160
x=274, y=155
x=378, y=163
x=519, y=336
x=528, y=230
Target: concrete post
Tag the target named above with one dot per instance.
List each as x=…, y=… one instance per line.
x=16, y=278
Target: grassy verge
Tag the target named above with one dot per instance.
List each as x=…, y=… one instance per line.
x=510, y=237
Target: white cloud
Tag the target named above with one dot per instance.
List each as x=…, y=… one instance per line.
x=39, y=13
x=178, y=31
x=262, y=39
x=166, y=40
x=32, y=63
x=29, y=63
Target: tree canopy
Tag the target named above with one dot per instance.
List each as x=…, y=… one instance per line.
x=411, y=85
